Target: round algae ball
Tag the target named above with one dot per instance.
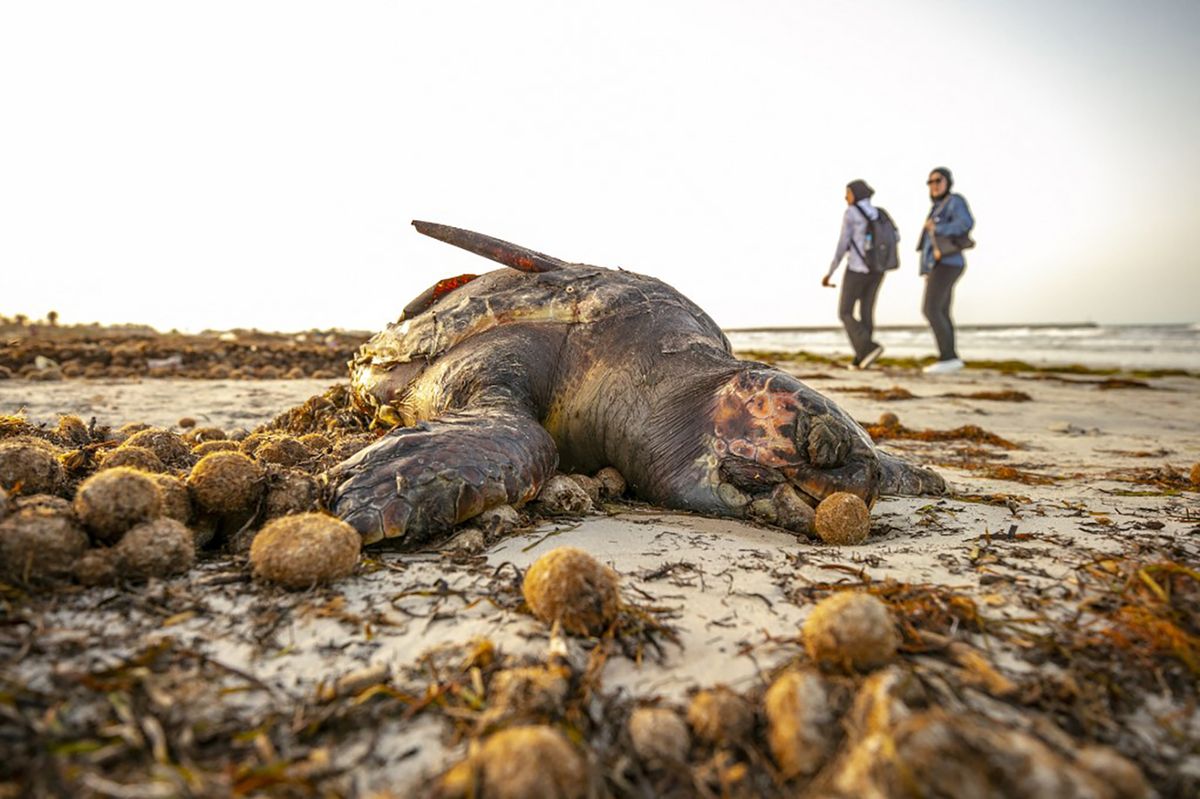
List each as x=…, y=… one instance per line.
x=96, y=567
x=799, y=722
x=851, y=630
x=720, y=716
x=29, y=466
x=226, y=482
x=1195, y=475
x=199, y=435
x=528, y=691
x=40, y=543
x=889, y=419
x=291, y=492
x=562, y=495
x=176, y=504
x=283, y=450
x=133, y=457
x=157, y=548
x=842, y=518
x=169, y=447
x=113, y=500
x=304, y=549
x=216, y=445
x=73, y=429
x=611, y=482
x=659, y=735
x=532, y=761
x=569, y=586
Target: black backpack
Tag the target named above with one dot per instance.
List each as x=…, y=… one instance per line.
x=882, y=253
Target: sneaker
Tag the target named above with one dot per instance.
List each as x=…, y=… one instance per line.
x=853, y=366
x=871, y=357
x=944, y=367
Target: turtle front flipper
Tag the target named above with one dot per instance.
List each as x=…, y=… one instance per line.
x=417, y=482
x=905, y=479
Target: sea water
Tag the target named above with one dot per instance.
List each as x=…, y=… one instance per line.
x=1175, y=346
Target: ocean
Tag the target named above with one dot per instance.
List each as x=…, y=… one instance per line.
x=1175, y=346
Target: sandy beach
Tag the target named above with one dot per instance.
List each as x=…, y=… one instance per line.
x=1052, y=594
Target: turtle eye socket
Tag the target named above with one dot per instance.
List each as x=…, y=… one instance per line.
x=827, y=444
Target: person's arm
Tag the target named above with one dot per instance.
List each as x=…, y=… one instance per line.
x=843, y=245
x=956, y=219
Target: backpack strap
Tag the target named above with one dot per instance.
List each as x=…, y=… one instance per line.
x=867, y=219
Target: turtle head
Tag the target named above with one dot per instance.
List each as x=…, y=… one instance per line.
x=771, y=430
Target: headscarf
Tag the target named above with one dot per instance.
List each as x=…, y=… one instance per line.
x=944, y=172
x=860, y=190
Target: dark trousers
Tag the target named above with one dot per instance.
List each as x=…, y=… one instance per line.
x=861, y=290
x=939, y=294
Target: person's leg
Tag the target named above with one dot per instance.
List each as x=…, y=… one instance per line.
x=852, y=291
x=867, y=308
x=939, y=294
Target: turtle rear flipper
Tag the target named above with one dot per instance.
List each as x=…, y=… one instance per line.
x=416, y=483
x=899, y=477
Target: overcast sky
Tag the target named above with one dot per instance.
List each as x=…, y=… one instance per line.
x=256, y=164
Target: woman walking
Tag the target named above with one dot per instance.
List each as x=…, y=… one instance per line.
x=860, y=286
x=942, y=241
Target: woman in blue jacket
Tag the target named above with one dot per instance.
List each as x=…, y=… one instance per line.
x=948, y=219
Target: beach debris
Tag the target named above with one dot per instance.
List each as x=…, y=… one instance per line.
x=1194, y=476
x=40, y=543
x=291, y=491
x=29, y=466
x=170, y=447
x=851, y=631
x=355, y=682
x=316, y=442
x=113, y=500
x=132, y=457
x=888, y=419
x=562, y=496
x=72, y=429
x=158, y=548
x=893, y=394
x=569, y=586
x=176, y=503
x=527, y=694
x=282, y=450
x=305, y=549
x=842, y=519
x=198, y=435
x=97, y=566
x=800, y=722
x=968, y=432
x=3, y=503
x=590, y=485
x=518, y=763
x=935, y=753
x=883, y=700
x=218, y=445
x=720, y=716
x=992, y=396
x=226, y=483
x=611, y=481
x=660, y=736
x=498, y=520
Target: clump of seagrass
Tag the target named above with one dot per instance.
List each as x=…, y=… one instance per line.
x=158, y=548
x=170, y=447
x=176, y=504
x=291, y=491
x=40, y=543
x=563, y=496
x=529, y=693
x=133, y=457
x=800, y=722
x=226, y=483
x=29, y=466
x=721, y=717
x=111, y=501
x=569, y=586
x=842, y=518
x=305, y=549
x=660, y=736
x=517, y=763
x=851, y=631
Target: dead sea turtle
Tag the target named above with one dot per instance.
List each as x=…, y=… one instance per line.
x=493, y=381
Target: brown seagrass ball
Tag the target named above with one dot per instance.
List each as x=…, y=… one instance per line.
x=134, y=457
x=889, y=419
x=73, y=429
x=291, y=491
x=158, y=548
x=569, y=586
x=720, y=716
x=842, y=518
x=176, y=504
x=1195, y=475
x=800, y=722
x=659, y=736
x=40, y=543
x=305, y=549
x=170, y=447
x=283, y=450
x=226, y=482
x=97, y=566
x=112, y=500
x=522, y=762
x=29, y=466
x=216, y=445
x=851, y=631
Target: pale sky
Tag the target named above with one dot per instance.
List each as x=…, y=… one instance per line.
x=256, y=164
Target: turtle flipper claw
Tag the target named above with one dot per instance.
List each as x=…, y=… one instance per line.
x=416, y=483
x=899, y=477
